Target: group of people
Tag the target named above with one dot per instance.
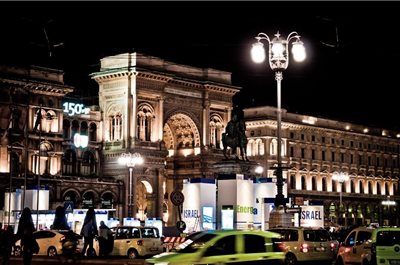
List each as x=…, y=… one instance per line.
x=26, y=228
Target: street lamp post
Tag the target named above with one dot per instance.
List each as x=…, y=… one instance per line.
x=341, y=178
x=278, y=61
x=131, y=160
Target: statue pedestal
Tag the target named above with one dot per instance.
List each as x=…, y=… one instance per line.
x=278, y=217
x=235, y=194
x=233, y=166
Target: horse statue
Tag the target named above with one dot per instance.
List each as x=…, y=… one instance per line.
x=235, y=138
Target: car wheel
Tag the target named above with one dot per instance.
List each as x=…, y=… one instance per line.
x=52, y=252
x=17, y=251
x=133, y=254
x=339, y=261
x=290, y=259
x=365, y=262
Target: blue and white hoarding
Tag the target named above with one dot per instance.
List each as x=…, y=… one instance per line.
x=198, y=209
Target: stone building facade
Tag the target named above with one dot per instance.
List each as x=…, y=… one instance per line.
x=315, y=149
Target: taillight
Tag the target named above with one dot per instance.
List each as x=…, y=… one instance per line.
x=140, y=242
x=304, y=248
x=333, y=246
x=279, y=247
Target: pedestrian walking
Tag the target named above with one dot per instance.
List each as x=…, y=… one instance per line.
x=25, y=233
x=105, y=236
x=89, y=231
x=60, y=220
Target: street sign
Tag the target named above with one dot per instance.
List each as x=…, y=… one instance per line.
x=177, y=197
x=293, y=210
x=69, y=206
x=181, y=226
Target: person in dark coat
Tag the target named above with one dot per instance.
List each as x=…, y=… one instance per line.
x=60, y=220
x=105, y=239
x=89, y=231
x=7, y=243
x=25, y=233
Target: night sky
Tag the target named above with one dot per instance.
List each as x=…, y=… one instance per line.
x=352, y=76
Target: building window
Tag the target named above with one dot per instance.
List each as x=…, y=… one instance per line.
x=292, y=181
x=342, y=142
x=313, y=138
x=66, y=129
x=273, y=147
x=378, y=189
x=360, y=160
x=361, y=187
x=351, y=143
x=93, y=132
x=145, y=119
x=292, y=151
x=69, y=162
x=313, y=184
x=342, y=157
x=369, y=160
x=352, y=188
x=303, y=183
x=378, y=164
x=323, y=155
x=88, y=163
x=351, y=158
x=333, y=156
x=74, y=129
x=302, y=136
x=323, y=139
x=332, y=141
x=324, y=186
x=313, y=154
x=302, y=153
x=115, y=125
x=291, y=135
x=216, y=130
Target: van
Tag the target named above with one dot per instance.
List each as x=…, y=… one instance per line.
x=385, y=247
x=306, y=244
x=356, y=248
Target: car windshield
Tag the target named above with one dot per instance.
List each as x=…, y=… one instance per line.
x=194, y=244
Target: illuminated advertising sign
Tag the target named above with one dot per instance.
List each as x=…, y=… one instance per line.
x=311, y=216
x=75, y=109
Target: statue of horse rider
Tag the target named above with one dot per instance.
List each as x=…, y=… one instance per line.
x=235, y=136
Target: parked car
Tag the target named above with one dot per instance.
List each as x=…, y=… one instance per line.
x=307, y=244
x=385, y=246
x=134, y=241
x=230, y=246
x=50, y=242
x=356, y=248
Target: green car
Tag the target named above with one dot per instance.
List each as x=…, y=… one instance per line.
x=230, y=246
x=385, y=247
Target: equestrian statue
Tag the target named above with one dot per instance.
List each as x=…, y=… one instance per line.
x=234, y=136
